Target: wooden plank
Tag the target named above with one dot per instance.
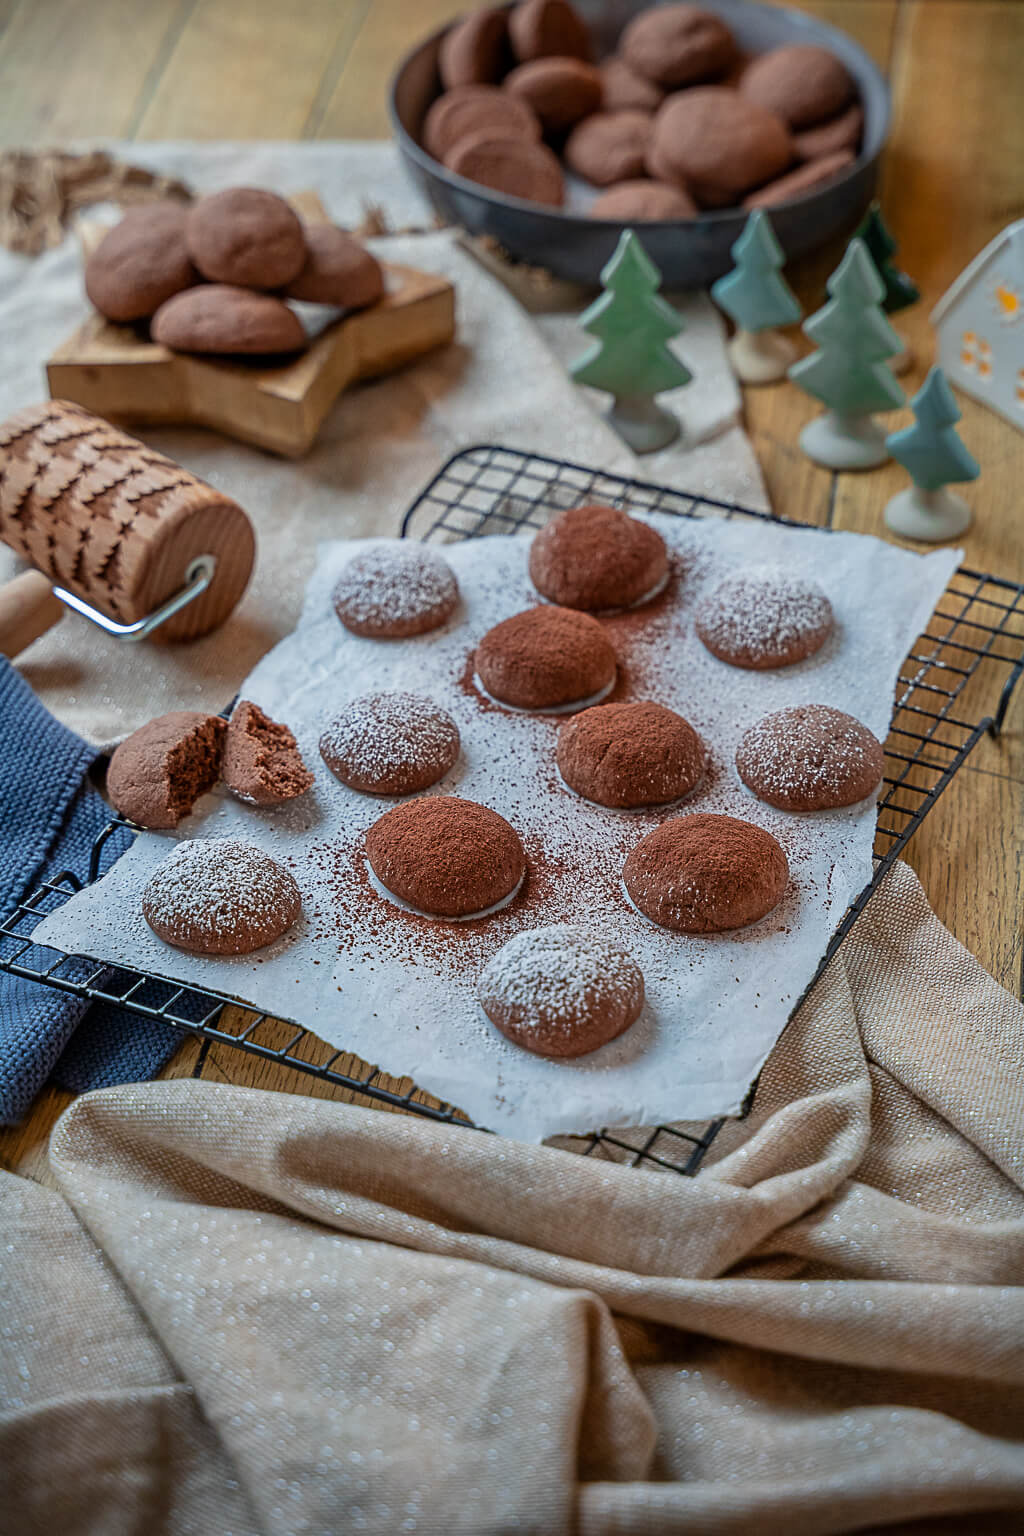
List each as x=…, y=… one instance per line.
x=247, y=71
x=71, y=70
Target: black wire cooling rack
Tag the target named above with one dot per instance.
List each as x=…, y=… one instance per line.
x=954, y=687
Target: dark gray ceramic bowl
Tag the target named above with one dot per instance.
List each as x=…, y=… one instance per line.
x=690, y=253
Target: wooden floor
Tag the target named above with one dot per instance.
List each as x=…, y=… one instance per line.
x=953, y=177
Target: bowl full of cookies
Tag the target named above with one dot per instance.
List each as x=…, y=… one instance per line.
x=550, y=126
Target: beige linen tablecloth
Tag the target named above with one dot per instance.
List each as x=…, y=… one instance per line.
x=255, y=1312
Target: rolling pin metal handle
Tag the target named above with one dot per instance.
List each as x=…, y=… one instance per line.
x=198, y=576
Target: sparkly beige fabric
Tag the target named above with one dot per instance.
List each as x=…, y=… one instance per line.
x=268, y=1313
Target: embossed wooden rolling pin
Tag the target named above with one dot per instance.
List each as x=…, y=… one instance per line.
x=120, y=533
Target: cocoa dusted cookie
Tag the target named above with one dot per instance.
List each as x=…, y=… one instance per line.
x=678, y=45
x=609, y=146
x=247, y=236
x=395, y=589
x=841, y=132
x=220, y=896
x=475, y=50
x=512, y=166
x=561, y=991
x=262, y=763
x=764, y=619
x=801, y=83
x=706, y=874
x=216, y=317
x=159, y=772
x=622, y=88
x=560, y=90
x=643, y=200
x=804, y=179
x=477, y=110
x=717, y=145
x=446, y=857
x=338, y=270
x=630, y=755
x=540, y=28
x=597, y=558
x=390, y=744
x=142, y=262
x=547, y=659
x=810, y=758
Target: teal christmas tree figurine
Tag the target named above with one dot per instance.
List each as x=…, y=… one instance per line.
x=848, y=373
x=900, y=291
x=757, y=298
x=934, y=456
x=629, y=359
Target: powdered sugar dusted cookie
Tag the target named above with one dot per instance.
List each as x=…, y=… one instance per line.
x=561, y=991
x=392, y=591
x=765, y=618
x=390, y=744
x=220, y=896
x=810, y=758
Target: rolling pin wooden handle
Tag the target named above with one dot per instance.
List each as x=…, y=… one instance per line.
x=28, y=609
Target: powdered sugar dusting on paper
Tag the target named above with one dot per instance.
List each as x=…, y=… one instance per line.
x=400, y=990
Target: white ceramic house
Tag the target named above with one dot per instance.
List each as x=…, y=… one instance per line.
x=980, y=326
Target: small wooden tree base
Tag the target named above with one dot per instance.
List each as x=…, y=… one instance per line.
x=642, y=424
x=123, y=376
x=932, y=516
x=844, y=442
x=761, y=357
x=904, y=359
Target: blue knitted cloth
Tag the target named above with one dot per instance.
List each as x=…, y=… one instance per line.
x=49, y=818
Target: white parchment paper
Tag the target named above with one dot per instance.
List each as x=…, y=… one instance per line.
x=400, y=990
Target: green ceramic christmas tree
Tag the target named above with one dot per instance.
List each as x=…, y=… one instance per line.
x=934, y=456
x=848, y=373
x=900, y=291
x=629, y=359
x=757, y=297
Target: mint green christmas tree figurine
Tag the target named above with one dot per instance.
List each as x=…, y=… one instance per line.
x=848, y=372
x=758, y=298
x=630, y=358
x=935, y=457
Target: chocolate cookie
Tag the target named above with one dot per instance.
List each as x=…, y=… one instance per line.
x=220, y=896
x=338, y=270
x=394, y=590
x=561, y=991
x=547, y=659
x=597, y=558
x=609, y=146
x=474, y=50
x=510, y=165
x=801, y=83
x=678, y=45
x=159, y=772
x=717, y=145
x=646, y=201
x=560, y=91
x=804, y=179
x=622, y=88
x=810, y=758
x=247, y=236
x=539, y=29
x=706, y=874
x=390, y=744
x=841, y=132
x=217, y=318
x=477, y=110
x=142, y=262
x=262, y=763
x=446, y=857
x=630, y=755
x=764, y=619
